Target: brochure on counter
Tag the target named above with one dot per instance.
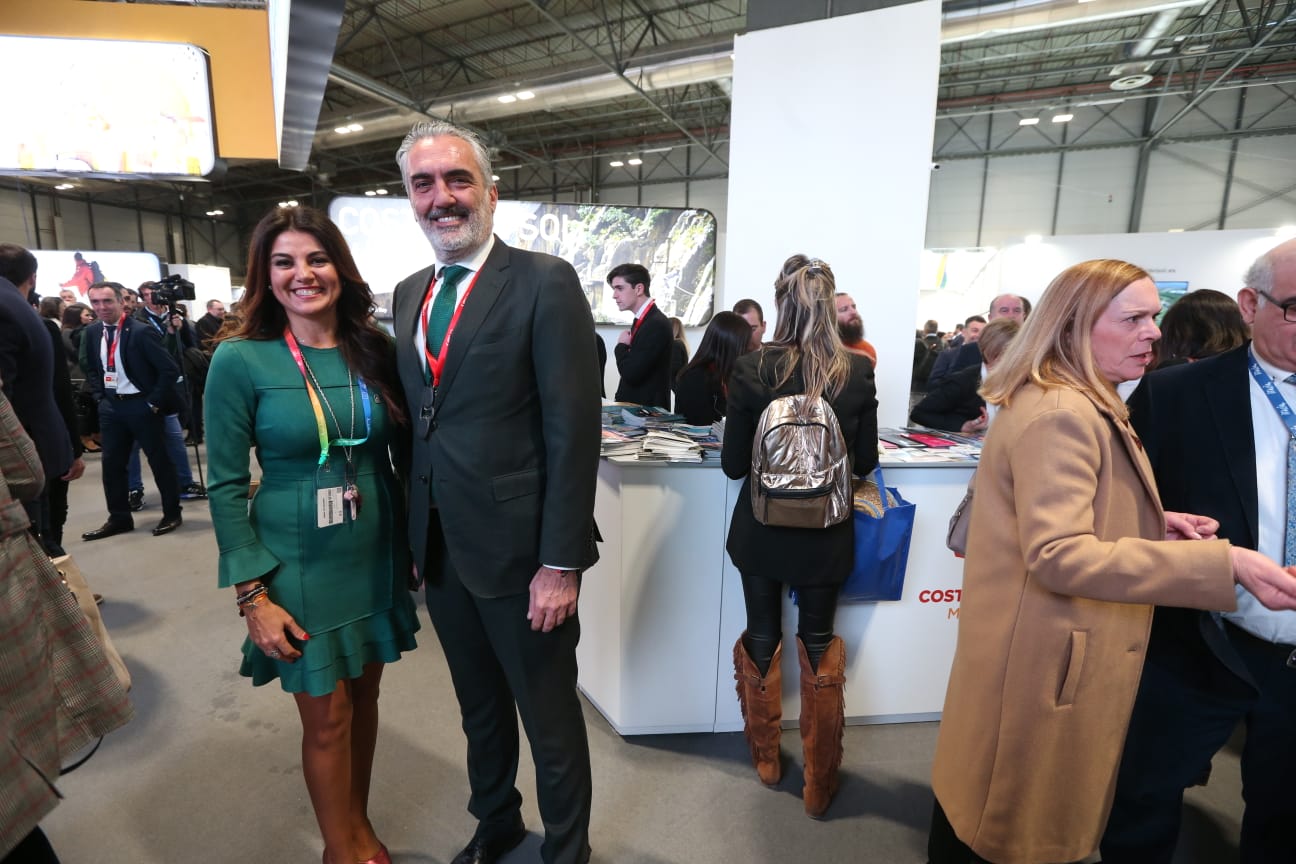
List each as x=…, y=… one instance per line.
x=918, y=444
x=642, y=433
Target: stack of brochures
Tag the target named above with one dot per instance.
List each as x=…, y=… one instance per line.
x=671, y=445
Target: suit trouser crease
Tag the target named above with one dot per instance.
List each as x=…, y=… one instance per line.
x=501, y=669
x=122, y=423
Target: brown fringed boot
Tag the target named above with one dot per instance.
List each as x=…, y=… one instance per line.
x=761, y=700
x=823, y=714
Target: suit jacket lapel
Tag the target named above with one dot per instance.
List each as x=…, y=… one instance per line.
x=410, y=303
x=1227, y=394
x=485, y=292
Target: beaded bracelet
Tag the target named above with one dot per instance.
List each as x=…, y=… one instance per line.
x=251, y=598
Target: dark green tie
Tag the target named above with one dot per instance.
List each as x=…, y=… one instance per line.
x=443, y=305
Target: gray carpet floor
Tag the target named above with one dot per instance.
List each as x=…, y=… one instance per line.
x=210, y=771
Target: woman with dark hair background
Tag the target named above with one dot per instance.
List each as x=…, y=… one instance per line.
x=319, y=562
x=1198, y=325
x=702, y=385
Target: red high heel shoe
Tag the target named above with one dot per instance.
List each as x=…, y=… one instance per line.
x=382, y=857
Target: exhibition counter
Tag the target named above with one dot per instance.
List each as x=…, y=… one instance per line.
x=661, y=610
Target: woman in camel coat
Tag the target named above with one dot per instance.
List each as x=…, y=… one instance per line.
x=1066, y=557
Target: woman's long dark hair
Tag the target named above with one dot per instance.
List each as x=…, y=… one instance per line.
x=1200, y=324
x=365, y=347
x=727, y=338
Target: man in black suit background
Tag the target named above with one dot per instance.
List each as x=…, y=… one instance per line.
x=503, y=395
x=132, y=379
x=951, y=360
x=1220, y=447
x=642, y=352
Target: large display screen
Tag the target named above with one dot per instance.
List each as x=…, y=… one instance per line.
x=75, y=270
x=100, y=107
x=678, y=246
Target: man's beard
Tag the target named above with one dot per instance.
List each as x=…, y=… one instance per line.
x=851, y=331
x=453, y=246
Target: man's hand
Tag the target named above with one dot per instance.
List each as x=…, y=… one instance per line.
x=624, y=338
x=978, y=424
x=553, y=598
x=75, y=472
x=1273, y=586
x=1190, y=526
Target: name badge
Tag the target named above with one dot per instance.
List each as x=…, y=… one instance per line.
x=329, y=505
x=110, y=380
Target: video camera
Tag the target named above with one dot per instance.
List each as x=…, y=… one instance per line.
x=171, y=290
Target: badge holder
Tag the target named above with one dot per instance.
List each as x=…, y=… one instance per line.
x=330, y=489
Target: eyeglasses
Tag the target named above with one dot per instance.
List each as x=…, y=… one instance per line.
x=1288, y=307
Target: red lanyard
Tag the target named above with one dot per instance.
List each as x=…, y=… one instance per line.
x=634, y=328
x=437, y=363
x=111, y=340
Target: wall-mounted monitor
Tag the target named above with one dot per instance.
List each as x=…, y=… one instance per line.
x=106, y=108
x=678, y=246
x=75, y=270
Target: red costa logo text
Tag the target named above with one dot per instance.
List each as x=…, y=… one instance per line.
x=946, y=595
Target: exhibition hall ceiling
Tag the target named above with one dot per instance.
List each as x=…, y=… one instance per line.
x=562, y=88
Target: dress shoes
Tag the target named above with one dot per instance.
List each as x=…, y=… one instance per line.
x=487, y=849
x=108, y=529
x=167, y=525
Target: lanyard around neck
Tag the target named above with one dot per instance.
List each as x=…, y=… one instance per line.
x=110, y=342
x=1270, y=389
x=320, y=423
x=634, y=328
x=435, y=364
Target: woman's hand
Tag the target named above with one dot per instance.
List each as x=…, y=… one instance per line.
x=1273, y=586
x=269, y=625
x=1189, y=526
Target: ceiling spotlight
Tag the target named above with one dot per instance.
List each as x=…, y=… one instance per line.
x=636, y=161
x=354, y=127
x=616, y=163
x=342, y=130
x=494, y=178
x=1131, y=82
x=287, y=203
x=369, y=193
x=525, y=95
x=507, y=99
x=215, y=212
x=380, y=191
x=1062, y=118
x=65, y=186
x=1176, y=230
x=1028, y=121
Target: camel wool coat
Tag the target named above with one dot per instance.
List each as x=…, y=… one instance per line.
x=1066, y=557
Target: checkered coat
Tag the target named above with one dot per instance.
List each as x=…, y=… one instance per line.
x=57, y=692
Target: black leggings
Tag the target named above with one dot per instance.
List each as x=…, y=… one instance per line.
x=816, y=608
x=34, y=849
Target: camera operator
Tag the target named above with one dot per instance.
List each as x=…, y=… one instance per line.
x=158, y=309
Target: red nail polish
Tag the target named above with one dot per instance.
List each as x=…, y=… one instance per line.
x=305, y=637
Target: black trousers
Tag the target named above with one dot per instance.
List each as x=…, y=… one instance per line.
x=816, y=608
x=944, y=846
x=32, y=849
x=122, y=422
x=1181, y=718
x=501, y=670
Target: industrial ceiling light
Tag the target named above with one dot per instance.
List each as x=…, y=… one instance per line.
x=636, y=161
x=1131, y=82
x=524, y=95
x=617, y=163
x=215, y=212
x=507, y=99
x=1028, y=121
x=354, y=127
x=494, y=178
x=369, y=193
x=63, y=187
x=380, y=191
x=1063, y=118
x=342, y=130
x=288, y=203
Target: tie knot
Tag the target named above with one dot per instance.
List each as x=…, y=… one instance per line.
x=452, y=273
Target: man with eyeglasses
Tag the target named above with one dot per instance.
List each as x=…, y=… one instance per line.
x=1221, y=437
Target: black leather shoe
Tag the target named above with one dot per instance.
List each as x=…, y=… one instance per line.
x=167, y=525
x=108, y=529
x=487, y=849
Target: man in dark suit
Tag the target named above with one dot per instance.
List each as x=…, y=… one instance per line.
x=502, y=391
x=969, y=353
x=27, y=366
x=132, y=379
x=643, y=352
x=1220, y=447
x=209, y=325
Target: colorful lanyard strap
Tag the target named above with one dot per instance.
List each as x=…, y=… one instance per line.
x=634, y=328
x=437, y=363
x=1270, y=389
x=320, y=424
x=110, y=340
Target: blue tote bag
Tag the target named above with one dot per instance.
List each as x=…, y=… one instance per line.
x=884, y=524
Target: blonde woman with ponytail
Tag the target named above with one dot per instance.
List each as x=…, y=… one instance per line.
x=806, y=356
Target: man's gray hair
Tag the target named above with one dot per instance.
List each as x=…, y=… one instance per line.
x=434, y=129
x=1260, y=275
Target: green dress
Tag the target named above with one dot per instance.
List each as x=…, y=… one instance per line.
x=343, y=584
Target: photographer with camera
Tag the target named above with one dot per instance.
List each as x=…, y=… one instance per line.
x=159, y=309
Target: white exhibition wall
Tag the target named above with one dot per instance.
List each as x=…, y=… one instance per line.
x=813, y=170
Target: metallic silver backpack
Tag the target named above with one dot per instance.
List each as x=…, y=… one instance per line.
x=800, y=474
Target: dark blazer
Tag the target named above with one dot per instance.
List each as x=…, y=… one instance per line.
x=27, y=369
x=148, y=364
x=64, y=395
x=951, y=360
x=699, y=396
x=1195, y=423
x=952, y=402
x=206, y=329
x=797, y=556
x=511, y=439
x=644, y=364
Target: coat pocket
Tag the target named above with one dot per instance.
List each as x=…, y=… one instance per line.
x=1074, y=668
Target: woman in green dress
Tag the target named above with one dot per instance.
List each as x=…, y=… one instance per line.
x=319, y=561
